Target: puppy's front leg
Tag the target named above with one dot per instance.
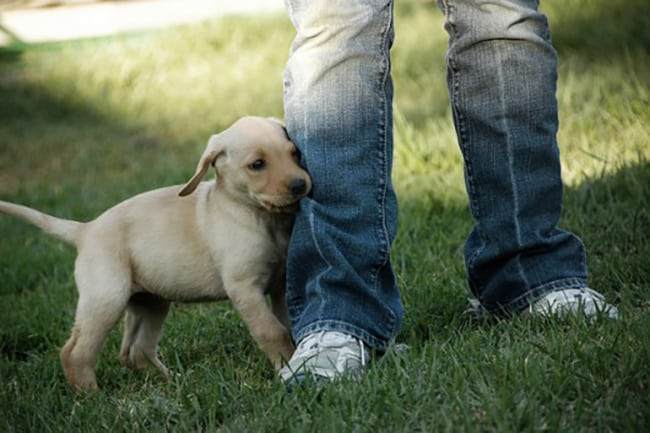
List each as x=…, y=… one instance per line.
x=279, y=303
x=271, y=335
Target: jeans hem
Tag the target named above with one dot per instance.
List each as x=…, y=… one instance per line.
x=521, y=302
x=372, y=341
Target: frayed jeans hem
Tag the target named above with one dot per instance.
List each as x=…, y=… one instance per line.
x=376, y=343
x=522, y=302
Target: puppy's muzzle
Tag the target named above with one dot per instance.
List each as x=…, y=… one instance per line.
x=298, y=187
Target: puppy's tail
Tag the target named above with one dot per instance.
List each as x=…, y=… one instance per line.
x=66, y=230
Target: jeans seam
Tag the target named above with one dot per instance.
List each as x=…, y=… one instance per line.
x=511, y=168
x=286, y=81
x=383, y=184
x=323, y=293
x=462, y=137
x=384, y=253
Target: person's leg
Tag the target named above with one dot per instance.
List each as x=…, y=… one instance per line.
x=502, y=72
x=338, y=95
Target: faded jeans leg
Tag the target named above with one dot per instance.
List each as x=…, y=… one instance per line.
x=338, y=96
x=502, y=73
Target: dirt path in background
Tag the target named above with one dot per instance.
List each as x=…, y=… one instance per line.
x=51, y=21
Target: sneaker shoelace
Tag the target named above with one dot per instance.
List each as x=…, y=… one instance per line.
x=347, y=348
x=585, y=300
x=580, y=296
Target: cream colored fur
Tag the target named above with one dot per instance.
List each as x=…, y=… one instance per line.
x=224, y=239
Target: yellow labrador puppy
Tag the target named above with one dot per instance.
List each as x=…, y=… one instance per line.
x=202, y=241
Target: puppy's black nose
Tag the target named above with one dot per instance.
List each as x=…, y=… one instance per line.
x=297, y=186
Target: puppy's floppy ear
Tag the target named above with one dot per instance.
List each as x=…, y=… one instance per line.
x=216, y=147
x=279, y=122
x=276, y=120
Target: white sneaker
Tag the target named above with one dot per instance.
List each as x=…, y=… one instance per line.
x=583, y=301
x=326, y=355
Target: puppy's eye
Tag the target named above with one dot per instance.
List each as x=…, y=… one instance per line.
x=296, y=154
x=257, y=165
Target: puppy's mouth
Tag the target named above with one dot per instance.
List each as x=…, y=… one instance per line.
x=280, y=208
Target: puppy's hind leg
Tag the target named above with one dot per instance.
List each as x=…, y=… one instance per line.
x=104, y=291
x=145, y=315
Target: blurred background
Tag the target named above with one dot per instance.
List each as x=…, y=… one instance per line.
x=101, y=100
x=133, y=77
x=58, y=20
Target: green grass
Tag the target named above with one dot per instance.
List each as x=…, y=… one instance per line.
x=84, y=125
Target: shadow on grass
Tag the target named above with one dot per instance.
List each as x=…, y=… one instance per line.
x=60, y=139
x=604, y=29
x=57, y=154
x=28, y=102
x=11, y=54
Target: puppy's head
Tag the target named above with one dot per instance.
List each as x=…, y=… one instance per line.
x=255, y=162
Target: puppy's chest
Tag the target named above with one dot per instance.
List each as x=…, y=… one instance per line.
x=277, y=239
x=257, y=246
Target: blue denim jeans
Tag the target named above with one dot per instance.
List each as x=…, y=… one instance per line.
x=338, y=100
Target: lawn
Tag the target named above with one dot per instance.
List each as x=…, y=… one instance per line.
x=87, y=124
